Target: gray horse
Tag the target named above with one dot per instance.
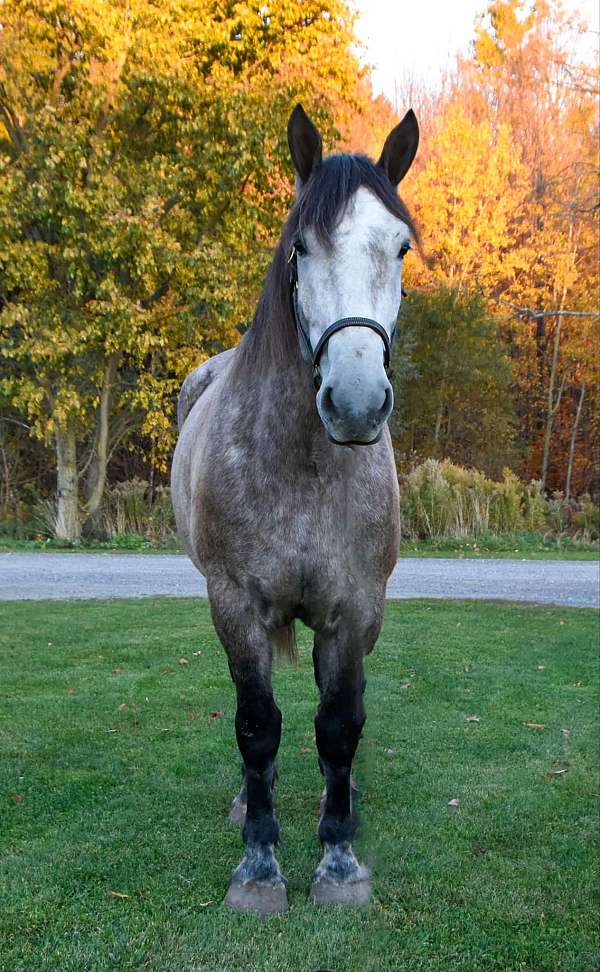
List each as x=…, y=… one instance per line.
x=287, y=501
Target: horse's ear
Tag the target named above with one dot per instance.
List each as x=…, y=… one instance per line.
x=306, y=147
x=400, y=148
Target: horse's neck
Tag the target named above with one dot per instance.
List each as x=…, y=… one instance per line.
x=284, y=419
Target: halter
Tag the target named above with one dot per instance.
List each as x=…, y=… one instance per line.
x=313, y=355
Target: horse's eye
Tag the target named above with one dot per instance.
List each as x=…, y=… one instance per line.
x=404, y=250
x=299, y=247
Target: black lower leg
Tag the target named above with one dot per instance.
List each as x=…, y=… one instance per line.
x=258, y=730
x=338, y=726
x=339, y=878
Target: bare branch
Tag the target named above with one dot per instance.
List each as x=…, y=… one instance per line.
x=536, y=314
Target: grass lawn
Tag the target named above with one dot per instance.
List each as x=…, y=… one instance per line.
x=504, y=546
x=518, y=546
x=119, y=762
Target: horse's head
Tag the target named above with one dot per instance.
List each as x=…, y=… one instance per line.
x=349, y=235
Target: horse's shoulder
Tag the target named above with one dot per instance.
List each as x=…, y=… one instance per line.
x=198, y=381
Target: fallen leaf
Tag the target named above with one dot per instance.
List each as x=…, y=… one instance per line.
x=406, y=685
x=304, y=749
x=117, y=670
x=559, y=772
x=391, y=751
x=18, y=798
x=216, y=714
x=183, y=661
x=473, y=718
x=454, y=803
x=166, y=671
x=535, y=725
x=566, y=732
x=119, y=894
x=72, y=691
x=204, y=904
x=192, y=716
x=122, y=706
x=541, y=668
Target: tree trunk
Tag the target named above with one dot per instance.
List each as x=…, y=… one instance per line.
x=96, y=479
x=67, y=515
x=438, y=426
x=572, y=444
x=552, y=404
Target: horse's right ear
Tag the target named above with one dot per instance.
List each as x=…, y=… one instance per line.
x=306, y=147
x=400, y=148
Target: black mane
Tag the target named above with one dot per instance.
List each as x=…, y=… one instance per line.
x=271, y=340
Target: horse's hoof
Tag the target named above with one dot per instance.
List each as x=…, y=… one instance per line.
x=237, y=814
x=326, y=892
x=259, y=897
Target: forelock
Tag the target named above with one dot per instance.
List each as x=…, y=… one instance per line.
x=324, y=199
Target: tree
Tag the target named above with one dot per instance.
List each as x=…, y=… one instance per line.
x=523, y=74
x=455, y=399
x=469, y=197
x=143, y=169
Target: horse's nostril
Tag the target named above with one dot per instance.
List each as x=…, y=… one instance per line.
x=327, y=399
x=388, y=401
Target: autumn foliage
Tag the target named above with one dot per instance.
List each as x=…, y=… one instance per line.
x=144, y=178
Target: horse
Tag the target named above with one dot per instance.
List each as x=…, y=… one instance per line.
x=285, y=490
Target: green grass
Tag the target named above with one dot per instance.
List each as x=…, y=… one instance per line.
x=529, y=546
x=122, y=543
x=115, y=778
x=517, y=546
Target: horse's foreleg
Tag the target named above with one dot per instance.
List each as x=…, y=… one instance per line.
x=257, y=883
x=339, y=878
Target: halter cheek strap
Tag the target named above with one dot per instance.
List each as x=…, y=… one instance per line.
x=313, y=355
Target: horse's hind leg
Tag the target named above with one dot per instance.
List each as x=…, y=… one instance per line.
x=239, y=804
x=339, y=878
x=257, y=883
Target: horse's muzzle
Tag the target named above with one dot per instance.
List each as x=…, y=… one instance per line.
x=355, y=416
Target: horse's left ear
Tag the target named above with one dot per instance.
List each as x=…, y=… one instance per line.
x=400, y=148
x=306, y=147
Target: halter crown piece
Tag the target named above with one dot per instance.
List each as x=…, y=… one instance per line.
x=313, y=355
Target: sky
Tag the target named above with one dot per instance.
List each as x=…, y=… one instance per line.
x=421, y=37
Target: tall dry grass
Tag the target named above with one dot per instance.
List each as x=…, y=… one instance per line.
x=440, y=499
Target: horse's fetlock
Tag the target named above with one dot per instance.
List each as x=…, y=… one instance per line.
x=258, y=864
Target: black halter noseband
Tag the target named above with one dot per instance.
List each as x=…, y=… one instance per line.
x=313, y=355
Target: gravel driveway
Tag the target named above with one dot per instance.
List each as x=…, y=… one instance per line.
x=66, y=576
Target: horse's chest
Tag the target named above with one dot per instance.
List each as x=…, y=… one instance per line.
x=296, y=526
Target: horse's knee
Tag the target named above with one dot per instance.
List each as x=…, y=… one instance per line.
x=338, y=727
x=258, y=728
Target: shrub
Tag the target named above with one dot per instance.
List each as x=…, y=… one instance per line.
x=441, y=499
x=129, y=508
